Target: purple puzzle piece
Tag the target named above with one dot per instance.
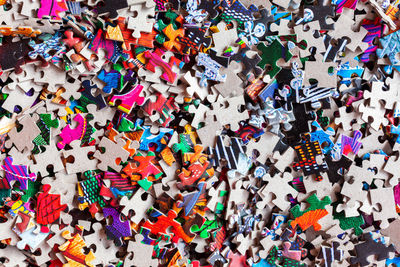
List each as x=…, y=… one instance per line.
x=118, y=229
x=17, y=173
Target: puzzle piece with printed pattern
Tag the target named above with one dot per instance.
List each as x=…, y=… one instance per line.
x=163, y=5
x=307, y=153
x=82, y=131
x=322, y=136
x=113, y=48
x=211, y=71
x=12, y=54
x=375, y=29
x=256, y=31
x=236, y=11
x=51, y=8
x=147, y=139
x=45, y=123
x=331, y=254
x=194, y=38
x=370, y=247
x=146, y=39
x=163, y=222
x=248, y=63
x=390, y=47
x=321, y=13
x=49, y=44
x=88, y=97
x=171, y=20
x=192, y=174
x=205, y=230
x=118, y=229
x=73, y=250
x=32, y=237
x=111, y=79
x=173, y=37
x=127, y=101
x=17, y=173
x=49, y=206
x=165, y=107
x=271, y=54
x=143, y=168
x=198, y=11
x=155, y=60
x=312, y=214
x=193, y=200
x=185, y=144
x=89, y=192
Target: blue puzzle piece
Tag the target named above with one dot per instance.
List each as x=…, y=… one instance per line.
x=347, y=73
x=394, y=261
x=396, y=130
x=323, y=136
x=211, y=71
x=49, y=44
x=262, y=263
x=390, y=47
x=111, y=79
x=149, y=138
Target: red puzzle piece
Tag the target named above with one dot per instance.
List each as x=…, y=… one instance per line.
x=144, y=169
x=164, y=106
x=146, y=39
x=164, y=222
x=48, y=206
x=192, y=174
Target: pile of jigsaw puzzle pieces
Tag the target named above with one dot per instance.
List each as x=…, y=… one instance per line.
x=199, y=133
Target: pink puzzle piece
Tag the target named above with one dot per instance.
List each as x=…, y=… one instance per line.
x=128, y=100
x=51, y=8
x=291, y=254
x=155, y=60
x=81, y=132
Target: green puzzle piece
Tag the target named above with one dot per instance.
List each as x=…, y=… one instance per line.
x=310, y=216
x=206, y=228
x=346, y=223
x=315, y=204
x=271, y=54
